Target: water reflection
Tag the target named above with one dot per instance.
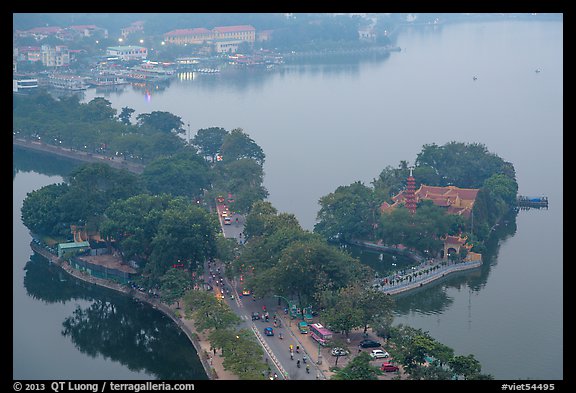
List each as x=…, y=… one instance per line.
x=115, y=326
x=433, y=298
x=29, y=161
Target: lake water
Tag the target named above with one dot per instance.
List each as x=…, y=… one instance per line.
x=322, y=126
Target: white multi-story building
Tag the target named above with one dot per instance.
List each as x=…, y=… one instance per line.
x=128, y=52
x=55, y=56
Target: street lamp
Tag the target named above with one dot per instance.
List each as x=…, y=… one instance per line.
x=289, y=307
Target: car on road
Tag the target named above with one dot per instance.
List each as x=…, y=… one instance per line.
x=255, y=316
x=389, y=367
x=379, y=353
x=268, y=331
x=369, y=344
x=339, y=352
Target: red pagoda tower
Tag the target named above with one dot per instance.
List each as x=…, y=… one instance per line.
x=409, y=194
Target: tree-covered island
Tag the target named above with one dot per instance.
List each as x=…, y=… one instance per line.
x=164, y=217
x=360, y=212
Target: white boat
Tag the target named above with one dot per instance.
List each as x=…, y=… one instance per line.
x=67, y=82
x=20, y=85
x=106, y=80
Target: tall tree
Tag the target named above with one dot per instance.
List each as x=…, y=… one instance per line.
x=174, y=284
x=237, y=144
x=165, y=122
x=209, y=141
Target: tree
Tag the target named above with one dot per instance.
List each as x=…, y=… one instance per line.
x=93, y=187
x=348, y=213
x=99, y=109
x=186, y=233
x=209, y=312
x=125, y=115
x=165, y=122
x=209, y=141
x=42, y=210
x=237, y=144
x=358, y=369
x=183, y=174
x=467, y=366
x=174, y=284
x=308, y=267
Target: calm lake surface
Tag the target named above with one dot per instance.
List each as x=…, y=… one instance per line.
x=326, y=125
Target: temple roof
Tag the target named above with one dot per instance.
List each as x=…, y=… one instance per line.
x=456, y=200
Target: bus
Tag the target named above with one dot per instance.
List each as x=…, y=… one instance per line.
x=320, y=333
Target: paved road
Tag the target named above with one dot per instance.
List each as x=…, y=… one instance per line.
x=277, y=350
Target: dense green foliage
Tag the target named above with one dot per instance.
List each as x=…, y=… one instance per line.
x=159, y=231
x=183, y=174
x=360, y=368
x=425, y=358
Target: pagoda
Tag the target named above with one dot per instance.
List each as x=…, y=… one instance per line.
x=409, y=194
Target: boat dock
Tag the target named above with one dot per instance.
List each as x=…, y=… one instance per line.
x=526, y=202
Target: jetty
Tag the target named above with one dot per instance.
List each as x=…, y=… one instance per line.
x=527, y=202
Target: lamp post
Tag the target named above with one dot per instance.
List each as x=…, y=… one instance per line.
x=289, y=306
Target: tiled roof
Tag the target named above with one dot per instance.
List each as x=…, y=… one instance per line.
x=185, y=32
x=230, y=29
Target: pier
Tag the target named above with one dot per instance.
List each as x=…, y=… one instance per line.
x=527, y=202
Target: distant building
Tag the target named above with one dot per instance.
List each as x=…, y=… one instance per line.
x=39, y=33
x=28, y=53
x=188, y=36
x=201, y=35
x=127, y=52
x=135, y=27
x=55, y=56
x=244, y=33
x=226, y=46
x=264, y=35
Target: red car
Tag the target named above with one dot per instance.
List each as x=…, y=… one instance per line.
x=389, y=367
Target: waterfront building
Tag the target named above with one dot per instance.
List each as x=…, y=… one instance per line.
x=127, y=52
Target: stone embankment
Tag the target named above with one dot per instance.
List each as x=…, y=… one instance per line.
x=118, y=163
x=207, y=363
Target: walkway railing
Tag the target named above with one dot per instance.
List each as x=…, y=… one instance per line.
x=424, y=275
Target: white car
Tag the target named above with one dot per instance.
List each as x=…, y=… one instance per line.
x=339, y=352
x=379, y=353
